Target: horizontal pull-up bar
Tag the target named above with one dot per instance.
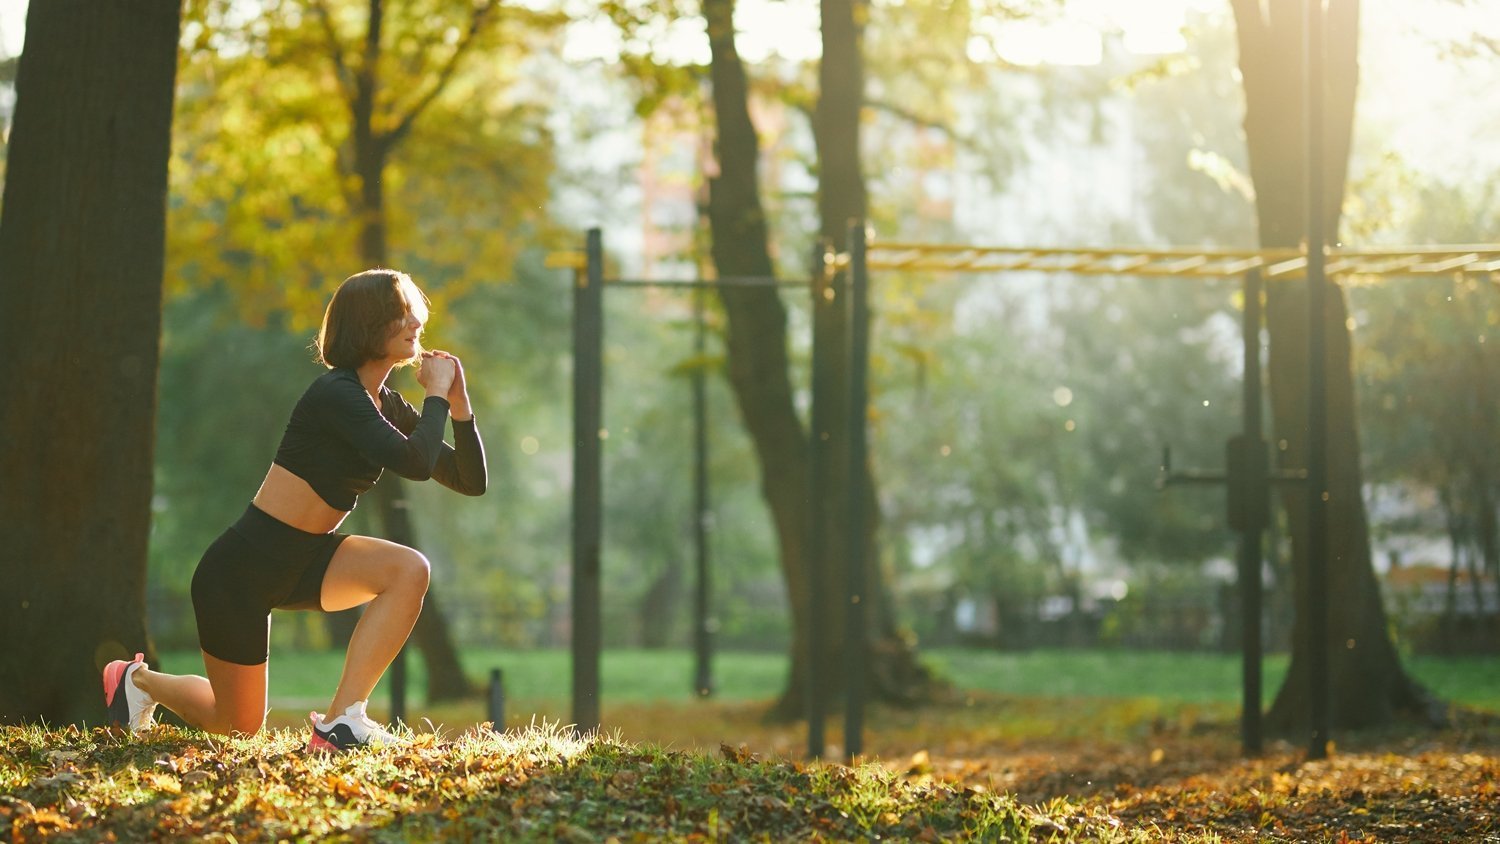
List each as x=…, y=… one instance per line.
x=1179, y=261
x=709, y=283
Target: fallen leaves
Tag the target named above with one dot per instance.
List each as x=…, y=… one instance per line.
x=1187, y=784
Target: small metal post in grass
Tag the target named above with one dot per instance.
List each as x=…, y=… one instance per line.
x=398, y=687
x=497, y=700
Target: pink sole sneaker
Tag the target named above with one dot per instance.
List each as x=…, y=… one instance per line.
x=114, y=691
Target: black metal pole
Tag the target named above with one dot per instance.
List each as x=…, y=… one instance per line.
x=588, y=424
x=825, y=297
x=855, y=643
x=1317, y=415
x=497, y=700
x=1257, y=507
x=398, y=686
x=703, y=683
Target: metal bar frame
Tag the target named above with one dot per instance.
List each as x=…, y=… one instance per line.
x=827, y=293
x=588, y=372
x=856, y=644
x=703, y=682
x=1316, y=618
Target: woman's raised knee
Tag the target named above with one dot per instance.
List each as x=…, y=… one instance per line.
x=416, y=571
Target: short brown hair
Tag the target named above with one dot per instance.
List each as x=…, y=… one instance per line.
x=357, y=325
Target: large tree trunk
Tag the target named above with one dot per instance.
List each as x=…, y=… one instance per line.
x=1368, y=682
x=81, y=256
x=755, y=337
x=757, y=353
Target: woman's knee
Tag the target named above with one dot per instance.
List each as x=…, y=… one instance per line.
x=416, y=571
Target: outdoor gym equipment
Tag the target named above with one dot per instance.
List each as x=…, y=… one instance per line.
x=842, y=280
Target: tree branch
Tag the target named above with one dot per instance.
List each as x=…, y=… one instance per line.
x=915, y=119
x=476, y=23
x=335, y=50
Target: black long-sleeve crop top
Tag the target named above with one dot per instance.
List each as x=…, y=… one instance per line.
x=339, y=441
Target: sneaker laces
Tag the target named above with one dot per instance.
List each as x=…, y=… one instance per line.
x=376, y=731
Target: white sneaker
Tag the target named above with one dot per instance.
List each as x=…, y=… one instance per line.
x=351, y=730
x=128, y=705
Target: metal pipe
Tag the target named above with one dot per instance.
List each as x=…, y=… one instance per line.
x=855, y=640
x=1256, y=502
x=1317, y=415
x=703, y=684
x=497, y=700
x=826, y=295
x=588, y=425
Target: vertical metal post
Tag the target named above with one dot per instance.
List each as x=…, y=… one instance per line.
x=1257, y=505
x=825, y=297
x=1317, y=415
x=703, y=683
x=398, y=686
x=855, y=640
x=497, y=700
x=588, y=425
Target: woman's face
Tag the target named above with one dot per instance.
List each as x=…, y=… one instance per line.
x=405, y=342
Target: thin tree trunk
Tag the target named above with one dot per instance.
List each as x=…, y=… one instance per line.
x=445, y=676
x=1449, y=624
x=82, y=246
x=1368, y=682
x=755, y=336
x=657, y=610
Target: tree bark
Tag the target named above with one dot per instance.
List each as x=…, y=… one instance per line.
x=372, y=148
x=82, y=248
x=755, y=336
x=1369, y=685
x=758, y=365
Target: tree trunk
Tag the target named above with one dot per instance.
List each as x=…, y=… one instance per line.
x=1369, y=685
x=755, y=337
x=81, y=258
x=657, y=610
x=445, y=675
x=757, y=351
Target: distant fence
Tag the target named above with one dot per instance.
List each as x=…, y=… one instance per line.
x=1204, y=620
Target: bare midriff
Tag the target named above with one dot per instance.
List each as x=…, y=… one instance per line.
x=291, y=500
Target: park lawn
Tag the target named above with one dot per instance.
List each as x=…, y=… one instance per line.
x=640, y=676
x=1125, y=773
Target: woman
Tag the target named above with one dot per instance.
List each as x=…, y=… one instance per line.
x=285, y=553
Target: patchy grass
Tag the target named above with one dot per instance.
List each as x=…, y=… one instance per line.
x=981, y=767
x=536, y=784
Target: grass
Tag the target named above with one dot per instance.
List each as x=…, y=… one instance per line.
x=1040, y=747
x=538, y=784
x=1127, y=772
x=641, y=676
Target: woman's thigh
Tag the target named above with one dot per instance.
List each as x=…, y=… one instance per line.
x=239, y=693
x=364, y=567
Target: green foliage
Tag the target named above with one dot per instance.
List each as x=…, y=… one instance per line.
x=263, y=179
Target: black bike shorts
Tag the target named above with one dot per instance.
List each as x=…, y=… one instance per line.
x=259, y=564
